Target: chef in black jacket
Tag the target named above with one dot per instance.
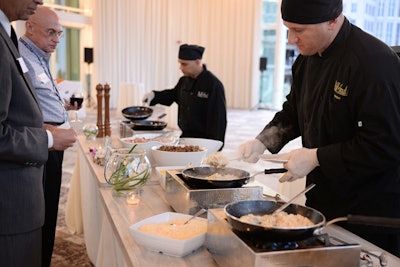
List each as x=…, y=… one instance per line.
x=345, y=105
x=200, y=97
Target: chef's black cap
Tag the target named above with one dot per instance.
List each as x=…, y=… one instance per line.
x=310, y=11
x=190, y=52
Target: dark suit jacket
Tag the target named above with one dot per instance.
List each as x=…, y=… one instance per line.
x=23, y=146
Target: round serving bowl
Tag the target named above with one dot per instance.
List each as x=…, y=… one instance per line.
x=146, y=141
x=174, y=158
x=211, y=145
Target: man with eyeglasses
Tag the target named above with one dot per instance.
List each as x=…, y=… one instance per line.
x=42, y=35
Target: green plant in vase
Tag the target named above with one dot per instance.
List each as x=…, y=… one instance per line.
x=127, y=170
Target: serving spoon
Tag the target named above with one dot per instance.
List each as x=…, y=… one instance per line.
x=201, y=211
x=290, y=201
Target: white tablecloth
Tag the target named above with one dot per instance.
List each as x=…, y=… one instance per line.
x=105, y=220
x=87, y=218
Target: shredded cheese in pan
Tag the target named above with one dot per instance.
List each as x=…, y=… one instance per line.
x=222, y=177
x=280, y=219
x=176, y=229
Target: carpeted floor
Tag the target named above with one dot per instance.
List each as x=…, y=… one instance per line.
x=70, y=249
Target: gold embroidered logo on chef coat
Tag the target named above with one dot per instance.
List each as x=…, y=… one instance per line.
x=340, y=90
x=202, y=94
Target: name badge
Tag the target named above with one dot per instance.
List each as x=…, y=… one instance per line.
x=42, y=77
x=22, y=64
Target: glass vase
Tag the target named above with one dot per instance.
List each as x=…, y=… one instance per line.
x=127, y=170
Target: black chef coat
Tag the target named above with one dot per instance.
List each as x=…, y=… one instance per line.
x=346, y=103
x=201, y=105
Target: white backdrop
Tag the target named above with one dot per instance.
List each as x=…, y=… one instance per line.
x=139, y=42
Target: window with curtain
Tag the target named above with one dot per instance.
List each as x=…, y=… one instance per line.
x=67, y=56
x=268, y=43
x=65, y=63
x=69, y=3
x=376, y=17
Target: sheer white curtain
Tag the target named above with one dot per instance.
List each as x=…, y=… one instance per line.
x=138, y=41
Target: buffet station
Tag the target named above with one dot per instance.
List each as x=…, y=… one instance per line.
x=184, y=211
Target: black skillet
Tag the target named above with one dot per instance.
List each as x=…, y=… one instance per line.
x=199, y=177
x=235, y=210
x=149, y=125
x=137, y=113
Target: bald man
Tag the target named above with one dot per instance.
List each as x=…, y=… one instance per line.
x=43, y=33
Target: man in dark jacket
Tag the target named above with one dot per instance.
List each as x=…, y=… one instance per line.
x=200, y=97
x=345, y=105
x=24, y=144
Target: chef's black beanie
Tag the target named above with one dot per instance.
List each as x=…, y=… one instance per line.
x=310, y=11
x=190, y=52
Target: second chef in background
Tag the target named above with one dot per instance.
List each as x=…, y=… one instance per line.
x=200, y=96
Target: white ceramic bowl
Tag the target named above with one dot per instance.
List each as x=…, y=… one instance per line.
x=169, y=246
x=170, y=158
x=211, y=145
x=149, y=140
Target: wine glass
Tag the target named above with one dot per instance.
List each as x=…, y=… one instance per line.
x=76, y=97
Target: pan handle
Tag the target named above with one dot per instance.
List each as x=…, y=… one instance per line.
x=368, y=220
x=374, y=221
x=162, y=116
x=278, y=170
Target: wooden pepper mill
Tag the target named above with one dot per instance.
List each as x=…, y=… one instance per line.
x=107, y=126
x=100, y=125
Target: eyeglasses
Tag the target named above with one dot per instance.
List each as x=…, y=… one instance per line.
x=53, y=33
x=50, y=32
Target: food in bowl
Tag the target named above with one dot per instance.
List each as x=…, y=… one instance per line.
x=211, y=145
x=157, y=138
x=138, y=140
x=177, y=155
x=281, y=219
x=141, y=140
x=155, y=241
x=176, y=228
x=180, y=148
x=147, y=141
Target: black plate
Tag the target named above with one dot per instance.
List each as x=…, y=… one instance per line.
x=146, y=125
x=137, y=113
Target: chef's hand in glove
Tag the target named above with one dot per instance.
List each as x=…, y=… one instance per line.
x=251, y=150
x=301, y=162
x=148, y=97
